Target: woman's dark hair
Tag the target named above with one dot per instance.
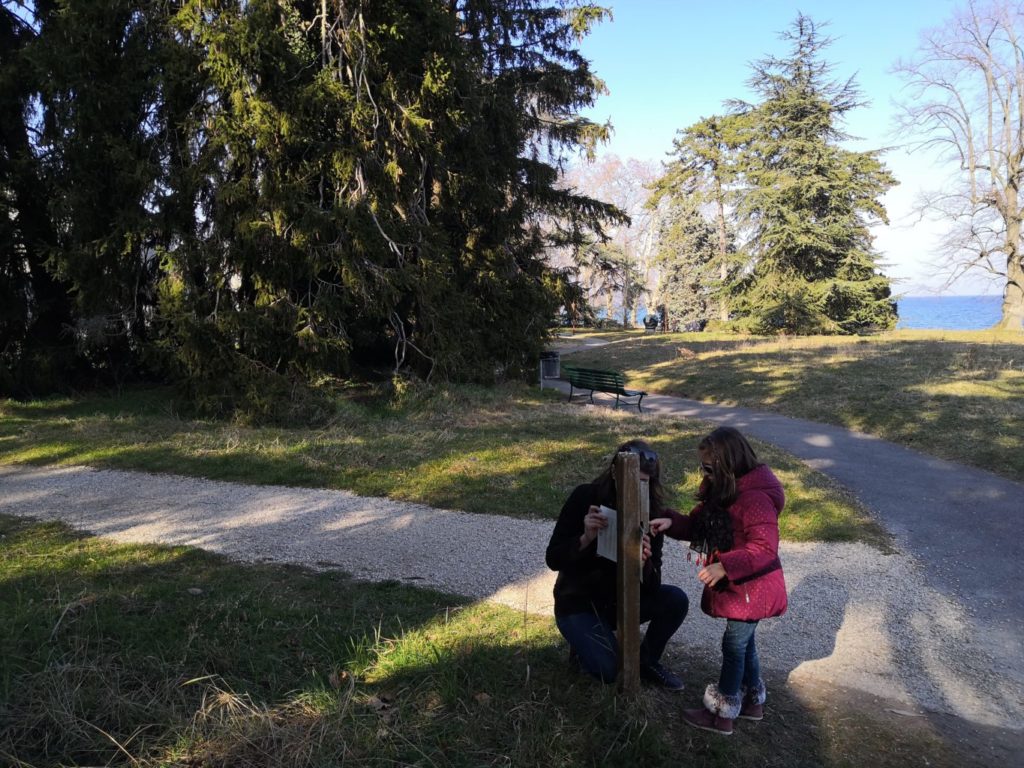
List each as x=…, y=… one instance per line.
x=731, y=457
x=650, y=465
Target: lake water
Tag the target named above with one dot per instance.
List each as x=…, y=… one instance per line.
x=949, y=313
x=943, y=313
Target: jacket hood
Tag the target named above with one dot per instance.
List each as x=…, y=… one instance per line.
x=764, y=480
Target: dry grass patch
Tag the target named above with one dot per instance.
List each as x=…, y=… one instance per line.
x=276, y=667
x=958, y=395
x=511, y=450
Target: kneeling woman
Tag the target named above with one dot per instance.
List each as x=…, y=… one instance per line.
x=586, y=584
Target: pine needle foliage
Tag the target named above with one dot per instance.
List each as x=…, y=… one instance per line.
x=807, y=201
x=253, y=198
x=688, y=263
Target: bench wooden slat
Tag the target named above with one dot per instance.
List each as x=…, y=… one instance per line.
x=597, y=380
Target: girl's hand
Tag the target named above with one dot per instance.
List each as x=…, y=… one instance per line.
x=592, y=523
x=712, y=574
x=645, y=549
x=660, y=524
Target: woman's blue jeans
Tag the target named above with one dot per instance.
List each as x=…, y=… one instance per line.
x=592, y=634
x=740, y=665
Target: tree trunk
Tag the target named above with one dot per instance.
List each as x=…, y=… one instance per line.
x=723, y=267
x=1013, y=296
x=52, y=306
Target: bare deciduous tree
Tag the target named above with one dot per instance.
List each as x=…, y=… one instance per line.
x=626, y=184
x=965, y=98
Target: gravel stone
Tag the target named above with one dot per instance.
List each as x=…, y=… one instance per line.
x=858, y=617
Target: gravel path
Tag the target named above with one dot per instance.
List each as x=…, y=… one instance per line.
x=858, y=618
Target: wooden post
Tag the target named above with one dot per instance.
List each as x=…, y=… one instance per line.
x=630, y=567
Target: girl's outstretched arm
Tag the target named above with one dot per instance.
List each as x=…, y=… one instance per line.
x=674, y=524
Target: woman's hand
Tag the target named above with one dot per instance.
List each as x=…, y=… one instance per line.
x=592, y=524
x=645, y=548
x=660, y=524
x=712, y=574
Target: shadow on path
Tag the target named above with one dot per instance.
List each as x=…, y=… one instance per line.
x=960, y=523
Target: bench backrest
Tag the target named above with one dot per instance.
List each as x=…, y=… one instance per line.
x=592, y=378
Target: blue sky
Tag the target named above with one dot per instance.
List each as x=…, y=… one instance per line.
x=668, y=63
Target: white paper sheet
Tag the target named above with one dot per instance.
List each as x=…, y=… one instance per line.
x=607, y=538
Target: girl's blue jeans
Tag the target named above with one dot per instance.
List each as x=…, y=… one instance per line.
x=592, y=634
x=740, y=665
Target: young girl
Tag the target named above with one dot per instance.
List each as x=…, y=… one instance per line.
x=734, y=535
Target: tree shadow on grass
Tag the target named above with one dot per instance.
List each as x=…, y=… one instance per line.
x=108, y=644
x=923, y=394
x=811, y=719
x=536, y=460
x=185, y=658
x=178, y=657
x=518, y=459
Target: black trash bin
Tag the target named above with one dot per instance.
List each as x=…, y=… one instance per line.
x=550, y=365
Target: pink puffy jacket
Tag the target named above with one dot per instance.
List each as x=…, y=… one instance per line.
x=756, y=588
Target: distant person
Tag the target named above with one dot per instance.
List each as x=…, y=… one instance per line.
x=585, y=590
x=734, y=535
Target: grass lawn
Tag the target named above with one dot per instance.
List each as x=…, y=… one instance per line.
x=510, y=450
x=154, y=656
x=957, y=395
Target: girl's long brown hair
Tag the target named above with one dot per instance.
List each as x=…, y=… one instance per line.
x=605, y=482
x=731, y=457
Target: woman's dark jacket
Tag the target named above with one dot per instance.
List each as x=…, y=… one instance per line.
x=586, y=582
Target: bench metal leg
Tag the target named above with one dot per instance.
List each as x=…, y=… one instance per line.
x=570, y=393
x=638, y=408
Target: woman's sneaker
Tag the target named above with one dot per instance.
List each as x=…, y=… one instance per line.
x=657, y=674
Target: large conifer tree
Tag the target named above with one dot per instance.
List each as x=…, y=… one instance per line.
x=807, y=202
x=704, y=171
x=688, y=262
x=377, y=174
x=270, y=192
x=36, y=352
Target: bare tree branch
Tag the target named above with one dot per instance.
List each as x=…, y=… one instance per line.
x=965, y=99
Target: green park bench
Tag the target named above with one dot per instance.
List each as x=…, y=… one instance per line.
x=595, y=380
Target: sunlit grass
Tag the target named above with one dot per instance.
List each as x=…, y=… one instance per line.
x=105, y=645
x=511, y=450
x=168, y=656
x=958, y=395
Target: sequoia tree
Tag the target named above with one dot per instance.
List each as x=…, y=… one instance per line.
x=807, y=202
